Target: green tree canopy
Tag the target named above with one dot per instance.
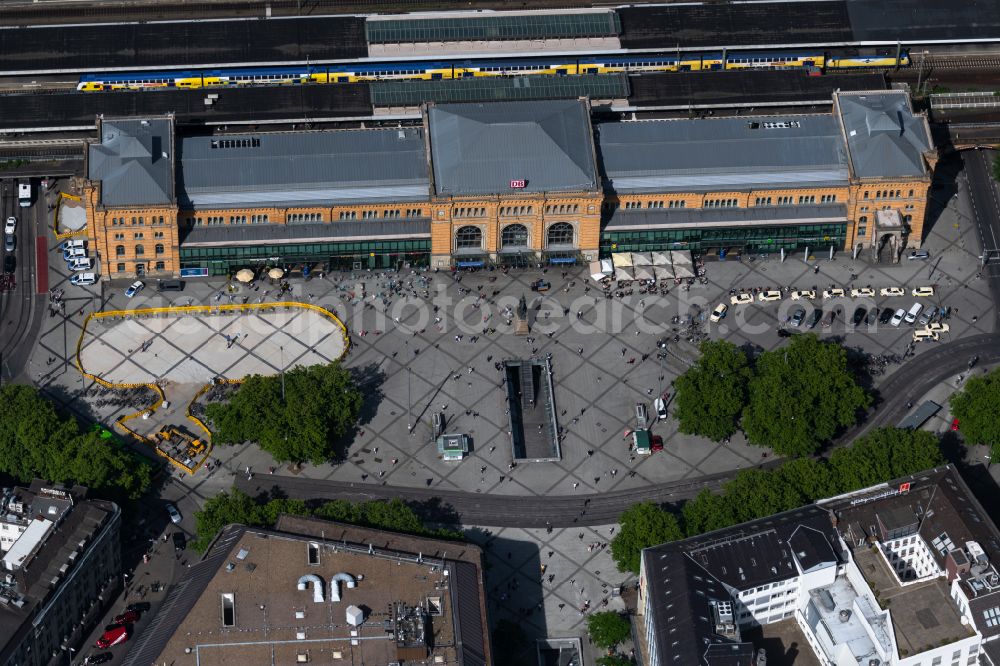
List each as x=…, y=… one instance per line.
x=800, y=396
x=977, y=408
x=642, y=525
x=321, y=405
x=712, y=393
x=882, y=455
x=236, y=507
x=35, y=441
x=608, y=629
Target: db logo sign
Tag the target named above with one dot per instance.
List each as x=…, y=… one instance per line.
x=517, y=184
x=904, y=487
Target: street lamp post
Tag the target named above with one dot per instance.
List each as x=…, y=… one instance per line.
x=71, y=651
x=282, y=348
x=409, y=422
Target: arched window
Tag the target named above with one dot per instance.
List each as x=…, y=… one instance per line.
x=469, y=237
x=514, y=235
x=863, y=219
x=158, y=249
x=139, y=250
x=119, y=250
x=560, y=233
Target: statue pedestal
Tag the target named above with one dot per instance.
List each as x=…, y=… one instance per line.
x=521, y=326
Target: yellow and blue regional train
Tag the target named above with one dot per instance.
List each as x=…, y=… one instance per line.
x=434, y=70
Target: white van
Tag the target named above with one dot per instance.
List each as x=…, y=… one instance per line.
x=83, y=279
x=914, y=312
x=71, y=244
x=80, y=264
x=24, y=194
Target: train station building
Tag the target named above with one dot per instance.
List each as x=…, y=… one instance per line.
x=509, y=183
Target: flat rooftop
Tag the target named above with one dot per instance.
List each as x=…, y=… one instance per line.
x=849, y=629
x=296, y=168
x=734, y=24
x=125, y=46
x=923, y=614
x=533, y=426
x=722, y=153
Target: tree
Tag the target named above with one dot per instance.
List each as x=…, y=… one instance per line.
x=321, y=405
x=608, y=629
x=236, y=507
x=800, y=396
x=712, y=393
x=882, y=455
x=976, y=407
x=35, y=441
x=614, y=660
x=642, y=525
x=996, y=168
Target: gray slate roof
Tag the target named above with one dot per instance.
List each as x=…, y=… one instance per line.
x=885, y=139
x=134, y=162
x=661, y=218
x=721, y=154
x=299, y=168
x=480, y=148
x=314, y=232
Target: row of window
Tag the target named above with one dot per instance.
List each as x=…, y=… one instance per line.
x=513, y=235
x=722, y=203
x=139, y=250
x=140, y=268
x=516, y=211
x=305, y=217
x=562, y=209
x=469, y=212
x=889, y=194
x=135, y=221
x=139, y=235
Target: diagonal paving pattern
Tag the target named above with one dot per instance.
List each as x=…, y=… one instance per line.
x=415, y=366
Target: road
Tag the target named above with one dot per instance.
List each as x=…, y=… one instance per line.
x=908, y=384
x=19, y=322
x=985, y=206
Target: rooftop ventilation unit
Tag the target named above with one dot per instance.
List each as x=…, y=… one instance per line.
x=355, y=616
x=317, y=583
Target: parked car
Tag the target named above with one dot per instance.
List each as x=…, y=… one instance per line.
x=885, y=316
x=831, y=316
x=919, y=254
x=170, y=285
x=72, y=253
x=175, y=515
x=797, y=317
x=897, y=317
x=80, y=264
x=768, y=296
x=128, y=617
x=10, y=225
x=83, y=279
x=72, y=243
x=799, y=294
x=9, y=264
x=741, y=298
x=719, y=313
x=954, y=424
x=134, y=288
x=180, y=541
x=814, y=318
x=871, y=317
x=863, y=292
x=98, y=658
x=138, y=607
x=9, y=242
x=923, y=335
x=914, y=312
x=923, y=291
x=113, y=635
x=892, y=291
x=859, y=316
x=835, y=292
x=926, y=316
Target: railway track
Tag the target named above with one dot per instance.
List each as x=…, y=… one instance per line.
x=34, y=153
x=951, y=62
